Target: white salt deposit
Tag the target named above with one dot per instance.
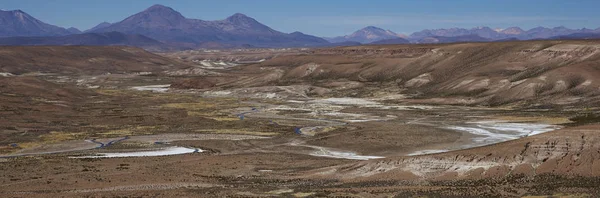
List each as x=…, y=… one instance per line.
x=499, y=131
x=423, y=152
x=325, y=152
x=5, y=74
x=346, y=101
x=342, y=155
x=153, y=88
x=161, y=152
x=494, y=131
x=523, y=129
x=487, y=137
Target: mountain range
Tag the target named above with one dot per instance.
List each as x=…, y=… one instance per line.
x=19, y=23
x=161, y=25
x=99, y=26
x=368, y=34
x=165, y=24
x=501, y=34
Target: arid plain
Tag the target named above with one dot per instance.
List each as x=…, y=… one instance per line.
x=502, y=119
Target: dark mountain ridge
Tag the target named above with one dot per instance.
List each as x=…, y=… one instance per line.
x=19, y=23
x=89, y=39
x=165, y=24
x=368, y=34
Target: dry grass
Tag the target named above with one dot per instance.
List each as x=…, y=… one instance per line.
x=545, y=120
x=59, y=136
x=560, y=195
x=197, y=106
x=130, y=130
x=81, y=59
x=237, y=132
x=303, y=194
x=110, y=92
x=213, y=115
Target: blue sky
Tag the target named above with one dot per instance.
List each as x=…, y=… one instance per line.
x=331, y=18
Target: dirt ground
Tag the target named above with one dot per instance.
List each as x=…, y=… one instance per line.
x=293, y=125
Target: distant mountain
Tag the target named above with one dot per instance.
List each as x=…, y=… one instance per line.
x=501, y=34
x=538, y=33
x=544, y=33
x=170, y=28
x=73, y=30
x=477, y=34
x=512, y=31
x=345, y=43
x=99, y=26
x=19, y=23
x=578, y=36
x=454, y=39
x=301, y=37
x=391, y=41
x=368, y=34
x=486, y=32
x=507, y=39
x=108, y=38
x=440, y=32
x=165, y=24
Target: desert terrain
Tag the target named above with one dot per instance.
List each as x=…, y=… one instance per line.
x=501, y=119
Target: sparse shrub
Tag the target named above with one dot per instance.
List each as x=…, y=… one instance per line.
x=543, y=87
x=585, y=118
x=475, y=92
x=327, y=75
x=580, y=91
x=574, y=81
x=378, y=77
x=529, y=73
x=497, y=101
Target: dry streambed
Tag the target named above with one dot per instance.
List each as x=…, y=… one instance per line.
x=491, y=132
x=175, y=150
x=313, y=117
x=161, y=140
x=327, y=113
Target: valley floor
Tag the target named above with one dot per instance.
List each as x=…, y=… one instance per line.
x=266, y=147
x=218, y=128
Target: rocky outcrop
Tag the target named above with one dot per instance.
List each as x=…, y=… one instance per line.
x=566, y=152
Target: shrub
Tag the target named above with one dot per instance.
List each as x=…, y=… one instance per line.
x=574, y=81
x=543, y=87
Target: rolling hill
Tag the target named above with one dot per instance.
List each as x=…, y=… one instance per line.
x=90, y=39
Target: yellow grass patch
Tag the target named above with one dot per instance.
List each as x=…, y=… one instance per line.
x=560, y=195
x=56, y=136
x=225, y=118
x=118, y=132
x=196, y=106
x=213, y=115
x=545, y=120
x=303, y=194
x=329, y=129
x=280, y=191
x=26, y=145
x=236, y=132
x=136, y=130
x=110, y=92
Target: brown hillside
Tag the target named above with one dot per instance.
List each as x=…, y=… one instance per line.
x=528, y=72
x=81, y=60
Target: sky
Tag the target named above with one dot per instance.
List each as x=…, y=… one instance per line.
x=331, y=18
